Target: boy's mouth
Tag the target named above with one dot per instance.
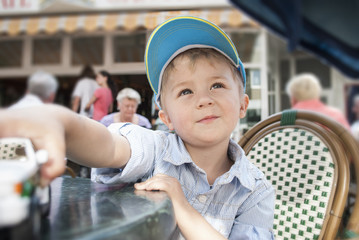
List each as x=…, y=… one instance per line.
x=208, y=119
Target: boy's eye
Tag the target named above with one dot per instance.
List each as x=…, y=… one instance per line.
x=217, y=85
x=185, y=92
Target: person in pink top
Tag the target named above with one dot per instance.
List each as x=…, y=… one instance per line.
x=304, y=91
x=102, y=99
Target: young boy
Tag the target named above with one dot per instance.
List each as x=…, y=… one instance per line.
x=194, y=70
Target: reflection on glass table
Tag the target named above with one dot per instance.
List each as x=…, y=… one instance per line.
x=81, y=209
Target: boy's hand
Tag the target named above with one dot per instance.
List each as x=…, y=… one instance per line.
x=60, y=131
x=164, y=183
x=190, y=222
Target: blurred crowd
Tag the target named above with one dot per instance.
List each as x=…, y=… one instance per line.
x=95, y=96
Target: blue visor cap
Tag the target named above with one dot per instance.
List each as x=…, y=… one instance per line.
x=179, y=34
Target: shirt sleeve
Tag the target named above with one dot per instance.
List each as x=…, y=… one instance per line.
x=145, y=149
x=255, y=218
x=107, y=120
x=77, y=90
x=143, y=121
x=98, y=92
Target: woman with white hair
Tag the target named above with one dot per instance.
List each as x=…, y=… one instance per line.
x=304, y=91
x=128, y=100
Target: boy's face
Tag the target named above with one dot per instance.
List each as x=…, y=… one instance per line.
x=202, y=103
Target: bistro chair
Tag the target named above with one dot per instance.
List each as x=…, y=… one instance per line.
x=306, y=157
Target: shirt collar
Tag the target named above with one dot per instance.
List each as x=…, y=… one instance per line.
x=176, y=154
x=242, y=169
x=312, y=103
x=32, y=97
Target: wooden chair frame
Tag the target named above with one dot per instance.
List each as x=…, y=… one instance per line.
x=342, y=145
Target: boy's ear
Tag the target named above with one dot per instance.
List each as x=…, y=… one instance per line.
x=165, y=119
x=244, y=106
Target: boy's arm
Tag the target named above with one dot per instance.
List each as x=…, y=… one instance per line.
x=61, y=131
x=191, y=223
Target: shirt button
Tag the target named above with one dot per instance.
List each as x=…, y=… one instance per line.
x=202, y=198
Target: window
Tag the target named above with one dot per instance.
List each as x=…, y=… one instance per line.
x=46, y=51
x=285, y=101
x=271, y=94
x=87, y=50
x=253, y=91
x=314, y=66
x=284, y=73
x=284, y=77
x=247, y=45
x=129, y=48
x=255, y=78
x=11, y=53
x=271, y=104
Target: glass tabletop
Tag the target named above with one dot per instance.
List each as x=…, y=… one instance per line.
x=81, y=209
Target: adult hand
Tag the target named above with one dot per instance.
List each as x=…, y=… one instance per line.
x=87, y=108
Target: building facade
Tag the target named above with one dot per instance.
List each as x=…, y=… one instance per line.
x=62, y=36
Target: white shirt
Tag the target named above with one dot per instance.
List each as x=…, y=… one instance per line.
x=28, y=100
x=85, y=89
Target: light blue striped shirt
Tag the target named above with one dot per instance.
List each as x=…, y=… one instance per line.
x=240, y=204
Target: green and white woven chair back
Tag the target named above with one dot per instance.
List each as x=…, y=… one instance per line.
x=301, y=169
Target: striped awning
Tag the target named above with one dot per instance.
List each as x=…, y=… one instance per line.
x=112, y=21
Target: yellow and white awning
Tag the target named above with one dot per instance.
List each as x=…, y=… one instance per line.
x=112, y=21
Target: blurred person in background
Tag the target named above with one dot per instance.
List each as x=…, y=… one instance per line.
x=83, y=91
x=128, y=100
x=304, y=91
x=41, y=88
x=102, y=99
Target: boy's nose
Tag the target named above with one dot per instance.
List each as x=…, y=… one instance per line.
x=204, y=99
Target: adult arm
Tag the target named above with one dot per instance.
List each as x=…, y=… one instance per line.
x=191, y=223
x=62, y=132
x=147, y=123
x=110, y=108
x=143, y=121
x=92, y=100
x=75, y=103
